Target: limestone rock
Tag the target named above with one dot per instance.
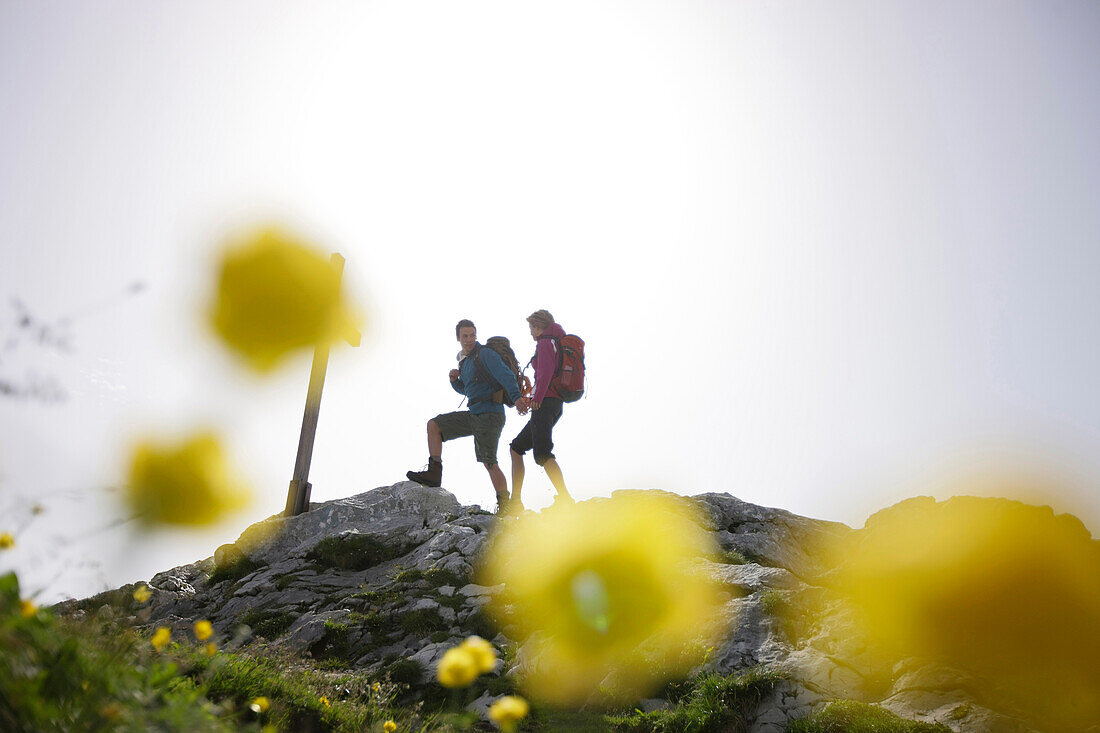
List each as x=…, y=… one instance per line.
x=412, y=597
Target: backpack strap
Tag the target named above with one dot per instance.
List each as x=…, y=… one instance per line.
x=482, y=374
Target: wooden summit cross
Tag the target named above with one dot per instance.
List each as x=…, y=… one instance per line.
x=297, y=499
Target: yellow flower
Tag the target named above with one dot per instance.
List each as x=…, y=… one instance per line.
x=968, y=582
x=6, y=540
x=377, y=687
x=485, y=657
x=610, y=586
x=276, y=294
x=457, y=668
x=28, y=609
x=260, y=705
x=507, y=711
x=203, y=630
x=142, y=594
x=324, y=701
x=189, y=484
x=211, y=649
x=161, y=638
x=389, y=726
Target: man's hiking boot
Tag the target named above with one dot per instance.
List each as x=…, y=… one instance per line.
x=562, y=501
x=502, y=505
x=433, y=476
x=515, y=507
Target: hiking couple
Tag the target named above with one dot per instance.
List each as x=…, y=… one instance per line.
x=489, y=376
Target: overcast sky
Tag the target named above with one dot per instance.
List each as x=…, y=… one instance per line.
x=825, y=256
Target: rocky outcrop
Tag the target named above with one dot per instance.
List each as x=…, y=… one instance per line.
x=385, y=581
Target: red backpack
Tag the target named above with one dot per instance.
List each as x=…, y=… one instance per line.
x=568, y=381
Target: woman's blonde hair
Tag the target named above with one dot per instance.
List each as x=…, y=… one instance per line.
x=541, y=318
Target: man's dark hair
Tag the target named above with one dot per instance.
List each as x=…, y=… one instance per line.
x=464, y=323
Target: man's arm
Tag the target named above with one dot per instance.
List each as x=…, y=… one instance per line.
x=456, y=382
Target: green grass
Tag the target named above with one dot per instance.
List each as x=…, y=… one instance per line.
x=235, y=570
x=406, y=672
x=436, y=577
x=479, y=624
x=374, y=597
x=709, y=704
x=268, y=624
x=423, y=621
x=558, y=721
x=773, y=602
x=355, y=551
x=334, y=647
x=441, y=576
x=732, y=557
x=409, y=575
x=455, y=601
x=848, y=716
x=58, y=674
x=99, y=674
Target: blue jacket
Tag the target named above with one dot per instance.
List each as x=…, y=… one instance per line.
x=466, y=383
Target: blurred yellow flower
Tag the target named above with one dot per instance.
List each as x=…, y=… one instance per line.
x=161, y=638
x=389, y=726
x=142, y=594
x=484, y=656
x=6, y=540
x=189, y=484
x=608, y=586
x=260, y=705
x=324, y=701
x=211, y=649
x=507, y=711
x=376, y=687
x=28, y=609
x=1007, y=591
x=203, y=630
x=457, y=668
x=277, y=294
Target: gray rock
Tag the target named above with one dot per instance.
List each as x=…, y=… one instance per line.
x=172, y=583
x=786, y=568
x=775, y=536
x=389, y=510
x=482, y=704
x=430, y=655
x=310, y=628
x=472, y=590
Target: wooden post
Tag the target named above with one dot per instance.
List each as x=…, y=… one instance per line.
x=297, y=500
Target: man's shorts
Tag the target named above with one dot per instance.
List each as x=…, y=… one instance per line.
x=485, y=428
x=538, y=432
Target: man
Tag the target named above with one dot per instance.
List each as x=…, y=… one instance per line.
x=546, y=407
x=484, y=419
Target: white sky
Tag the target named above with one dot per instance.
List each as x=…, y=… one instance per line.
x=824, y=255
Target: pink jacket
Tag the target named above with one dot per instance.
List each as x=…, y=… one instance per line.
x=546, y=362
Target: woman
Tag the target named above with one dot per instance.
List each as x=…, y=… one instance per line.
x=546, y=408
